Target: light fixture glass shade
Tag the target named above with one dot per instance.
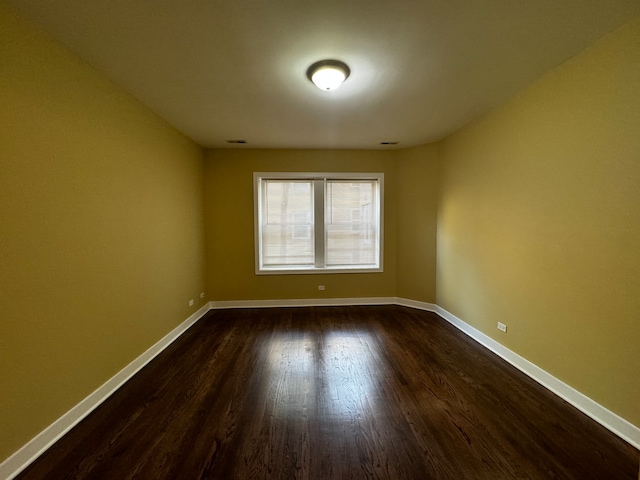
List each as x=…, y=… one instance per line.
x=328, y=78
x=328, y=74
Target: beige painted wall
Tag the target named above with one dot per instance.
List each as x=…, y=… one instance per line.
x=417, y=177
x=539, y=223
x=101, y=230
x=230, y=231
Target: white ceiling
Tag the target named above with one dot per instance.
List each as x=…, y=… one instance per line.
x=235, y=69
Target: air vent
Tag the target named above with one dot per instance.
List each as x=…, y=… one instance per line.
x=389, y=143
x=240, y=142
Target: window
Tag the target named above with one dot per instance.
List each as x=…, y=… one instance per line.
x=318, y=222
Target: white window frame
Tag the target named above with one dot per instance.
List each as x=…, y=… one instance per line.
x=318, y=221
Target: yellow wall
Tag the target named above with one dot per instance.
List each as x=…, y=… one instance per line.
x=539, y=223
x=101, y=230
x=417, y=193
x=230, y=232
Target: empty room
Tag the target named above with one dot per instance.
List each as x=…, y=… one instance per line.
x=322, y=240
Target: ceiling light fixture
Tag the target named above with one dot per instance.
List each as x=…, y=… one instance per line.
x=328, y=74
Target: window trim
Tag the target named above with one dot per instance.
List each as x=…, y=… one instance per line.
x=319, y=211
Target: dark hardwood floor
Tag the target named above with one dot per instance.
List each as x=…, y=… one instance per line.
x=333, y=393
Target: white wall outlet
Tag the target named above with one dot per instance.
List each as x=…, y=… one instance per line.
x=202, y=295
x=502, y=327
x=321, y=287
x=191, y=302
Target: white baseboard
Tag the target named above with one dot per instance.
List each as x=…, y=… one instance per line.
x=313, y=302
x=17, y=462
x=405, y=302
x=625, y=430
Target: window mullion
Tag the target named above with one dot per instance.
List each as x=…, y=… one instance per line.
x=318, y=222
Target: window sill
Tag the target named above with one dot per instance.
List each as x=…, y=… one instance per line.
x=317, y=271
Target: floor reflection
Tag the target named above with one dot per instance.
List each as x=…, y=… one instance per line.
x=292, y=374
x=330, y=374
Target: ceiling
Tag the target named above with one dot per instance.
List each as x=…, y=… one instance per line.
x=221, y=70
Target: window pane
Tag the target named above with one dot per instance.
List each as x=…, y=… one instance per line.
x=287, y=216
x=351, y=223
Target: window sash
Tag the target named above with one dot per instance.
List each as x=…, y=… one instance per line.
x=344, y=244
x=287, y=217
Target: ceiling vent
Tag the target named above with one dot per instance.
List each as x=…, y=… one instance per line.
x=237, y=142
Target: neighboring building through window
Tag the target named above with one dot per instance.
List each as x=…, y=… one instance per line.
x=318, y=222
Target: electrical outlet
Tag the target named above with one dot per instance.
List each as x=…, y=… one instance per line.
x=202, y=295
x=502, y=327
x=321, y=287
x=191, y=302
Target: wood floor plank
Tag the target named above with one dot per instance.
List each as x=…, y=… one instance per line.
x=382, y=392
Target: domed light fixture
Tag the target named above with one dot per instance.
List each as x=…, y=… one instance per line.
x=328, y=74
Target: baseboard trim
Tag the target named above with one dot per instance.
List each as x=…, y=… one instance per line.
x=21, y=459
x=405, y=302
x=622, y=428
x=308, y=302
x=17, y=462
